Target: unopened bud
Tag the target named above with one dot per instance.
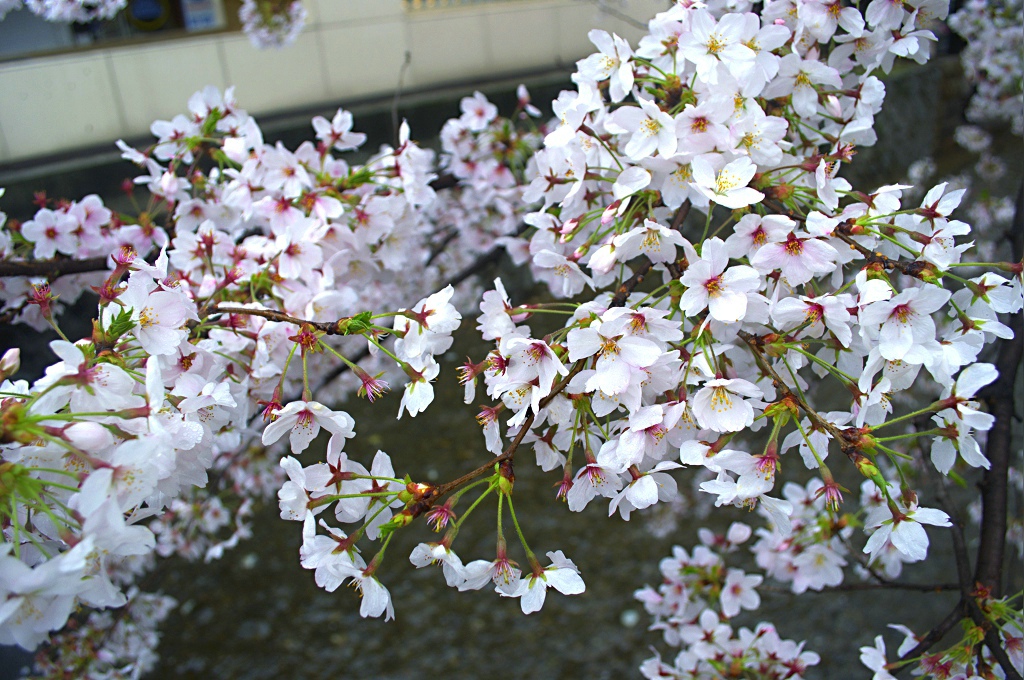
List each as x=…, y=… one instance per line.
x=10, y=362
x=89, y=436
x=397, y=522
x=867, y=468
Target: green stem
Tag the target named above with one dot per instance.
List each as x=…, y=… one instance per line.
x=906, y=416
x=909, y=435
x=490, y=487
x=522, y=539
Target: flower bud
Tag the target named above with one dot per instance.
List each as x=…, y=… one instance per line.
x=10, y=362
x=397, y=522
x=867, y=468
x=89, y=436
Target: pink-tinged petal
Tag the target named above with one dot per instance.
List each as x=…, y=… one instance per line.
x=943, y=454
x=643, y=492
x=780, y=511
x=739, y=198
x=931, y=516
x=877, y=540
x=376, y=600
x=976, y=419
x=306, y=429
x=973, y=378
x=728, y=306
x=611, y=377
x=583, y=342
x=693, y=300
x=565, y=581
x=630, y=181
x=276, y=429
x=928, y=299
x=741, y=278
x=335, y=422
x=533, y=597
x=910, y=539
x=744, y=387
x=716, y=254
x=638, y=351
x=754, y=484
x=972, y=455
x=896, y=339
x=702, y=172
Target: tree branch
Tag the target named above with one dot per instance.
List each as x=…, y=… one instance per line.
x=54, y=269
x=893, y=585
x=837, y=433
x=999, y=395
x=931, y=638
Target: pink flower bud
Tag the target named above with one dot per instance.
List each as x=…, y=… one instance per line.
x=10, y=362
x=89, y=437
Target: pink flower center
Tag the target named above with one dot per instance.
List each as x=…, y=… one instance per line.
x=713, y=286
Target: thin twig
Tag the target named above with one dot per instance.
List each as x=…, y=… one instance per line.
x=327, y=327
x=837, y=433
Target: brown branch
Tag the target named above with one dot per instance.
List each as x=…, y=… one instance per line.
x=54, y=269
x=914, y=268
x=988, y=570
x=893, y=585
x=445, y=181
x=510, y=451
x=755, y=343
x=931, y=637
x=327, y=327
x=992, y=641
x=680, y=216
x=1000, y=396
x=630, y=284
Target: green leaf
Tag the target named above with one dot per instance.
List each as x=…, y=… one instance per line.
x=121, y=324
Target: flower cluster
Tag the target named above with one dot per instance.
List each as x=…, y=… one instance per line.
x=272, y=23
x=693, y=606
x=723, y=297
x=140, y=439
x=81, y=11
x=267, y=23
x=113, y=644
x=992, y=59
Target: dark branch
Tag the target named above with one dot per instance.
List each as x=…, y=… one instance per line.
x=956, y=530
x=893, y=585
x=1000, y=395
x=931, y=637
x=54, y=269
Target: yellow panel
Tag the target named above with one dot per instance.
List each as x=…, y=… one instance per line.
x=55, y=104
x=154, y=82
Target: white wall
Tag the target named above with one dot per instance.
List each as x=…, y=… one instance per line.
x=350, y=50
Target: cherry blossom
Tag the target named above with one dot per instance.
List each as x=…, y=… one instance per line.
x=303, y=420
